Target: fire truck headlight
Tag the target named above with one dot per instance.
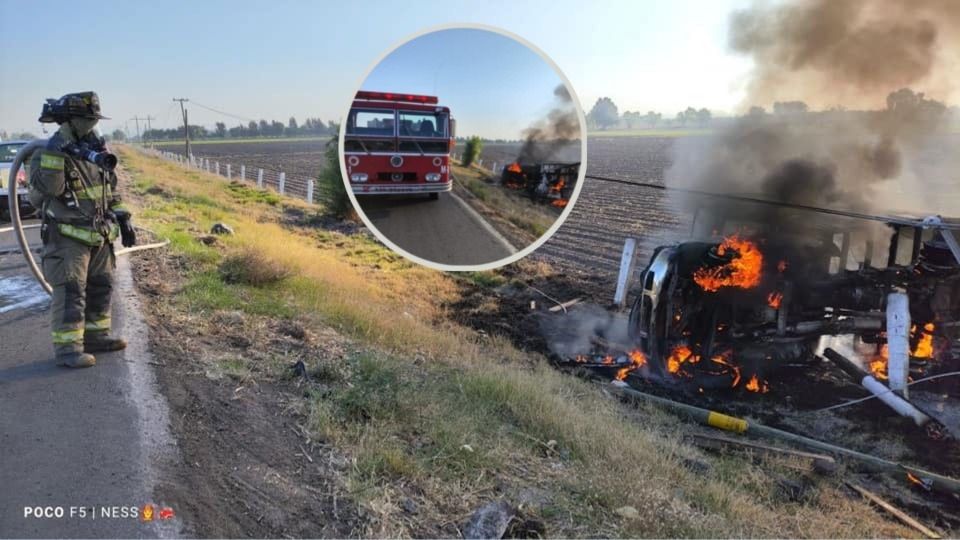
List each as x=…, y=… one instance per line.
x=358, y=177
x=433, y=177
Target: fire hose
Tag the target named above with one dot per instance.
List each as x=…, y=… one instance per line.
x=18, y=226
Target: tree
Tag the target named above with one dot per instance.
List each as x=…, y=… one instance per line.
x=332, y=192
x=681, y=118
x=631, y=118
x=704, y=116
x=790, y=107
x=471, y=150
x=119, y=135
x=252, y=129
x=221, y=130
x=604, y=113
x=264, y=128
x=652, y=118
x=292, y=126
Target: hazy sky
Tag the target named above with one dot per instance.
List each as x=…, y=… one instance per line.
x=279, y=59
x=506, y=88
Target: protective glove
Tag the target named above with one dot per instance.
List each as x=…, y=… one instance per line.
x=128, y=234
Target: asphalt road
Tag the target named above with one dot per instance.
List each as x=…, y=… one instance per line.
x=92, y=438
x=444, y=231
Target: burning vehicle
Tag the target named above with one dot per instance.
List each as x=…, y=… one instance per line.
x=731, y=310
x=551, y=183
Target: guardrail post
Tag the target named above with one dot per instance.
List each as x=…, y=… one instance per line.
x=229, y=175
x=283, y=178
x=310, y=191
x=243, y=173
x=260, y=178
x=494, y=168
x=216, y=167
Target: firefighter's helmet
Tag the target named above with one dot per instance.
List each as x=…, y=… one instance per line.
x=76, y=105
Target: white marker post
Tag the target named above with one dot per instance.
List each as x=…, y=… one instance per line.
x=898, y=341
x=310, y=191
x=243, y=173
x=260, y=178
x=283, y=179
x=229, y=176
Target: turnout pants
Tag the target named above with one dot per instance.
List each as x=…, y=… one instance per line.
x=82, y=280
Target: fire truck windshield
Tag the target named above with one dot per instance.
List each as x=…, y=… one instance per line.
x=392, y=123
x=422, y=124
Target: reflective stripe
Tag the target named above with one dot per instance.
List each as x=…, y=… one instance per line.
x=67, y=336
x=84, y=236
x=94, y=192
x=119, y=206
x=98, y=325
x=51, y=161
x=114, y=233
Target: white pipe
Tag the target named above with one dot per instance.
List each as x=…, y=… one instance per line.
x=895, y=402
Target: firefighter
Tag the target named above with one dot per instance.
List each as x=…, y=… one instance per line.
x=72, y=182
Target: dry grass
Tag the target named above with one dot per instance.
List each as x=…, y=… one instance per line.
x=252, y=267
x=436, y=414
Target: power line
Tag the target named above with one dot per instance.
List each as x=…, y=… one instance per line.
x=238, y=117
x=740, y=198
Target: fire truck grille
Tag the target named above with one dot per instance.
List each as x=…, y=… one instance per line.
x=388, y=177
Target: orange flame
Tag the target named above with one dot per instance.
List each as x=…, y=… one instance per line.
x=924, y=347
x=560, y=203
x=681, y=354
x=722, y=360
x=755, y=384
x=742, y=271
x=515, y=168
x=637, y=360
x=774, y=299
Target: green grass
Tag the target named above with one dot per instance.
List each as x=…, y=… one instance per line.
x=667, y=133
x=246, y=194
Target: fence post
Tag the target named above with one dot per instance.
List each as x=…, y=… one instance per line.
x=283, y=178
x=229, y=176
x=479, y=163
x=243, y=172
x=310, y=191
x=260, y=178
x=494, y=168
x=216, y=167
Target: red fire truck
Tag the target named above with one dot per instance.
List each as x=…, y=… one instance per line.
x=398, y=143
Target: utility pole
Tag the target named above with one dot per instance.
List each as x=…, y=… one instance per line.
x=137, y=119
x=186, y=125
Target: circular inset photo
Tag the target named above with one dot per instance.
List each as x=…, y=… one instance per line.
x=464, y=148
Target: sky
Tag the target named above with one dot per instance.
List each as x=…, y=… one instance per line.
x=278, y=59
x=506, y=89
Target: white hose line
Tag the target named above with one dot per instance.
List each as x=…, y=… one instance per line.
x=8, y=229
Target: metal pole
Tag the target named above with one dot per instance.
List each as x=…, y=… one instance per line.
x=941, y=483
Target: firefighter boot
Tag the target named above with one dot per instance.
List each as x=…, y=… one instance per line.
x=76, y=360
x=101, y=342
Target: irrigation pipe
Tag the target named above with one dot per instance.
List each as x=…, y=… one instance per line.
x=18, y=227
x=935, y=481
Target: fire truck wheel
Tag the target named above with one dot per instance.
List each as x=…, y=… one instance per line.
x=434, y=196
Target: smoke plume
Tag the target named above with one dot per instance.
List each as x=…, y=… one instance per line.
x=551, y=137
x=880, y=146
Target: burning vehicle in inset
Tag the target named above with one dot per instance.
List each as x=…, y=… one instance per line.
x=545, y=182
